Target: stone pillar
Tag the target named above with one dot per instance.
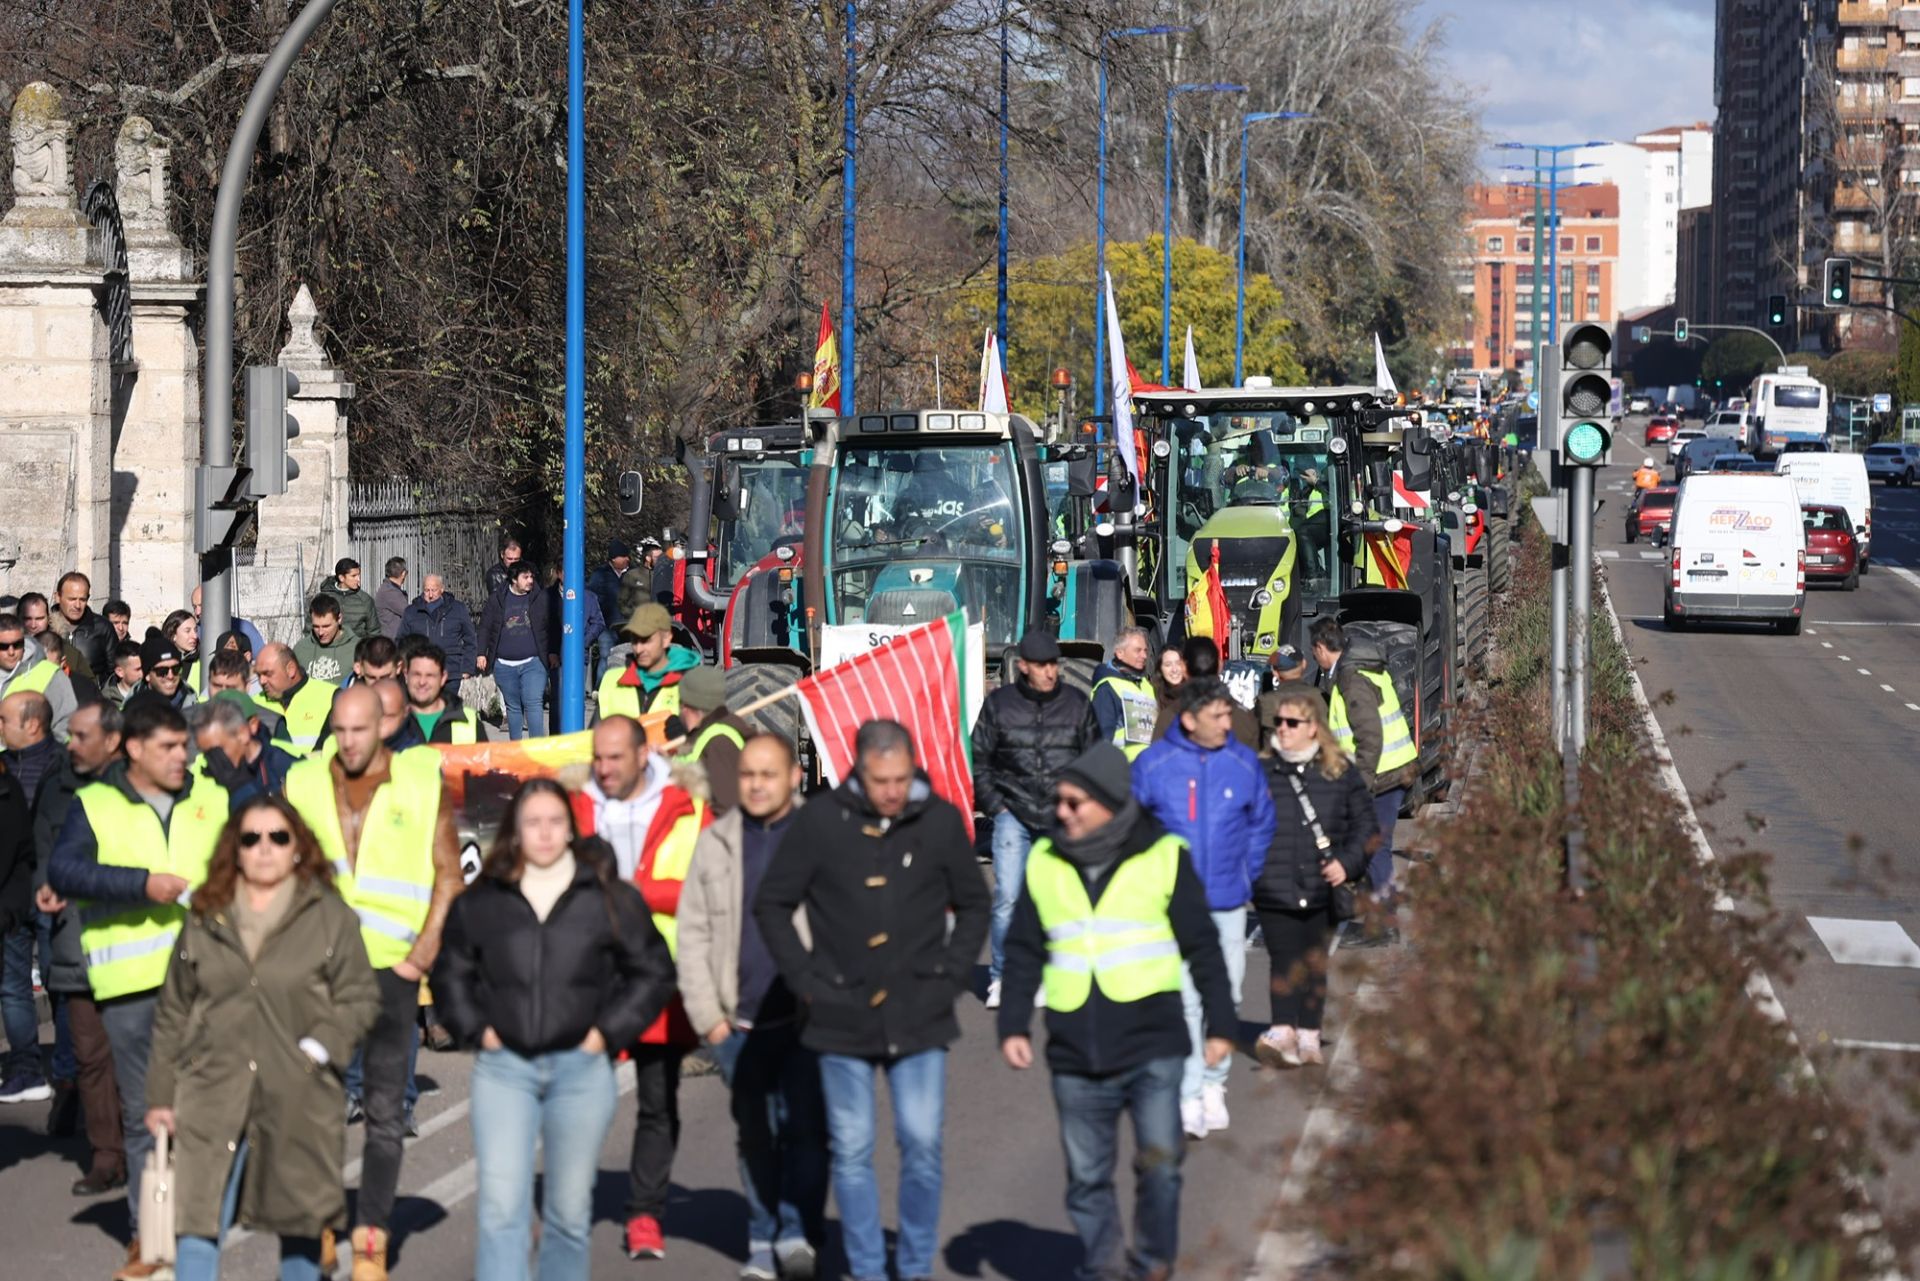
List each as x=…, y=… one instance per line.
x=157, y=428
x=308, y=524
x=56, y=446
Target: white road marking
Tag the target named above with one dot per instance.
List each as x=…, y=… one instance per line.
x=1894, y=1047
x=1863, y=671
x=1913, y=707
x=1912, y=578
x=1845, y=658
x=1856, y=942
x=1846, y=622
x=1826, y=644
x=1609, y=554
x=1887, y=688
x=1653, y=556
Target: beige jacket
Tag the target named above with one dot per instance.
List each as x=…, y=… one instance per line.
x=709, y=921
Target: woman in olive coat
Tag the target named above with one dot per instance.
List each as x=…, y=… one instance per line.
x=268, y=992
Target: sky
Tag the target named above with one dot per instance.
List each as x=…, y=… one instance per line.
x=1550, y=71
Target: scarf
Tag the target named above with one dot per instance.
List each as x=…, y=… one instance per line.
x=1300, y=755
x=543, y=886
x=254, y=924
x=1102, y=846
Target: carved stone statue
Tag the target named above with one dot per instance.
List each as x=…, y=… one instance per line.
x=303, y=349
x=40, y=170
x=140, y=163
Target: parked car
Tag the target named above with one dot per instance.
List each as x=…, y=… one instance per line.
x=1650, y=514
x=1660, y=429
x=1832, y=550
x=1893, y=463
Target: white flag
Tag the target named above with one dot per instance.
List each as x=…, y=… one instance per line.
x=1190, y=379
x=1382, y=376
x=993, y=377
x=1121, y=388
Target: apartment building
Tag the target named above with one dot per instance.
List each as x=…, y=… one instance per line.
x=1498, y=270
x=1659, y=174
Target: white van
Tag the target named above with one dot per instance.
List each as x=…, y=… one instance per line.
x=1835, y=480
x=1738, y=551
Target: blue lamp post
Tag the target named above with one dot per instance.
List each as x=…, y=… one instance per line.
x=573, y=640
x=1166, y=232
x=850, y=144
x=1100, y=216
x=1247, y=122
x=1553, y=171
x=1000, y=314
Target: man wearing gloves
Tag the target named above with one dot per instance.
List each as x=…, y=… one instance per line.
x=1110, y=908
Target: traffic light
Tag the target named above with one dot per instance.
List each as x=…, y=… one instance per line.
x=1776, y=310
x=1680, y=330
x=269, y=428
x=1643, y=333
x=1586, y=390
x=222, y=509
x=1839, y=274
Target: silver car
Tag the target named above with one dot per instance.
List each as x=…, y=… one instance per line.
x=1895, y=464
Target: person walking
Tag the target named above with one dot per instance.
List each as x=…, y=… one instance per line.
x=515, y=648
x=22, y=668
x=501, y=571
x=1207, y=788
x=436, y=709
x=443, y=619
x=735, y=996
x=655, y=666
x=135, y=842
x=1200, y=658
x=1319, y=848
x=385, y=824
x=1169, y=674
x=24, y=1079
x=163, y=671
x=93, y=745
x=653, y=825
x=125, y=673
x=1285, y=666
x=1108, y=909
x=233, y=752
x=1027, y=732
x=358, y=614
x=715, y=735
x=302, y=702
x=591, y=626
x=91, y=634
x=390, y=598
x=268, y=991
x=550, y=964
x=1365, y=714
x=897, y=910
x=604, y=582
x=1646, y=475
x=1124, y=703
x=326, y=651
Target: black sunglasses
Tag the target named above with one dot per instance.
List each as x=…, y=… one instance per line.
x=166, y=669
x=1291, y=722
x=279, y=836
x=14, y=644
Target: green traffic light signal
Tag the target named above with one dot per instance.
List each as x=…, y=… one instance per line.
x=1586, y=443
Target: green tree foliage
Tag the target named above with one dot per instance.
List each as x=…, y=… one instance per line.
x=1858, y=372
x=1735, y=360
x=1907, y=368
x=1052, y=316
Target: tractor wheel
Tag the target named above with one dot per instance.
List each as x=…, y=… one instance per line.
x=750, y=682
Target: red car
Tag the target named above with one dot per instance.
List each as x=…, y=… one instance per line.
x=1832, y=552
x=1650, y=514
x=1660, y=429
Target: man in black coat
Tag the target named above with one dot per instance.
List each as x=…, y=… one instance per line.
x=1027, y=733
x=878, y=863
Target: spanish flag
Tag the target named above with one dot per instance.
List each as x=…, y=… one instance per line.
x=1207, y=613
x=826, y=366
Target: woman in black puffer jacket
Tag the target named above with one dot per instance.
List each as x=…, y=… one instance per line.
x=1294, y=892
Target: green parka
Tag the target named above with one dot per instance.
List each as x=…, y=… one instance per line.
x=227, y=1060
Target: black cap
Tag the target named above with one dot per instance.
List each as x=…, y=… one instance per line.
x=616, y=549
x=1039, y=647
x=1287, y=659
x=1105, y=773
x=156, y=650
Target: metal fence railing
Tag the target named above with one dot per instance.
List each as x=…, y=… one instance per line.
x=435, y=529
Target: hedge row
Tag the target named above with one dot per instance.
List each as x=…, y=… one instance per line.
x=1562, y=1089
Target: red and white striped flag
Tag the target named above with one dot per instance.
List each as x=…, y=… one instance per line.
x=917, y=679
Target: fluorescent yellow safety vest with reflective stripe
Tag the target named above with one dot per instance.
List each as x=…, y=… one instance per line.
x=466, y=726
x=1316, y=503
x=718, y=729
x=390, y=884
x=671, y=859
x=1396, y=740
x=615, y=699
x=35, y=679
x=306, y=715
x=1124, y=943
x=128, y=945
x=1138, y=710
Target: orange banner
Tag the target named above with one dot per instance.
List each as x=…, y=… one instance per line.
x=483, y=777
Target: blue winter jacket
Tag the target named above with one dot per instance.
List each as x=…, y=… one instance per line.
x=1217, y=801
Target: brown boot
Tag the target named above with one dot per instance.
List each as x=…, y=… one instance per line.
x=329, y=1253
x=134, y=1270
x=369, y=1254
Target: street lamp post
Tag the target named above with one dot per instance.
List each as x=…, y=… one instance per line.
x=1100, y=214
x=1166, y=232
x=1000, y=313
x=1240, y=260
x=850, y=143
x=573, y=641
x=1553, y=170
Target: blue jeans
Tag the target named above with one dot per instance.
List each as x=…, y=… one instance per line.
x=605, y=643
x=919, y=1086
x=779, y=1115
x=523, y=686
x=1386, y=812
x=356, y=1091
x=1090, y=1108
x=1011, y=841
x=17, y=1012
x=565, y=1099
x=1231, y=926
x=198, y=1258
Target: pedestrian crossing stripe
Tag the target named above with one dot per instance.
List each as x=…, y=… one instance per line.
x=1855, y=942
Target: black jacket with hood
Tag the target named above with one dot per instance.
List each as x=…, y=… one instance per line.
x=1290, y=879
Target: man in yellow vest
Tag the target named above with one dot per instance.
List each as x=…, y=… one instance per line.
x=23, y=667
x=714, y=735
x=134, y=845
x=1111, y=907
x=1364, y=712
x=1124, y=704
x=650, y=682
x=302, y=702
x=383, y=820
x=435, y=707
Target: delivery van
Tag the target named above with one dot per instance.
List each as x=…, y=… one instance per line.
x=1737, y=551
x=1835, y=480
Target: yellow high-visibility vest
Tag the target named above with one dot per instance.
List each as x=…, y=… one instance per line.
x=1138, y=711
x=36, y=678
x=306, y=715
x=390, y=883
x=1396, y=740
x=709, y=732
x=1124, y=943
x=670, y=863
x=615, y=699
x=129, y=945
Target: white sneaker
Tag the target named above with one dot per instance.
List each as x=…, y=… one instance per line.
x=1278, y=1047
x=1213, y=1107
x=993, y=994
x=1193, y=1118
x=1310, y=1054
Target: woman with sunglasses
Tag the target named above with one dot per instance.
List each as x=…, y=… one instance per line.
x=1319, y=845
x=549, y=963
x=268, y=992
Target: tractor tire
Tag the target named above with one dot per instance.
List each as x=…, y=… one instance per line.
x=1076, y=674
x=750, y=682
x=1499, y=555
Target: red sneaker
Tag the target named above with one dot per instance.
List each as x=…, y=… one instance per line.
x=644, y=1238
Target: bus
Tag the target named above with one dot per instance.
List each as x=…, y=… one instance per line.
x=1786, y=406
